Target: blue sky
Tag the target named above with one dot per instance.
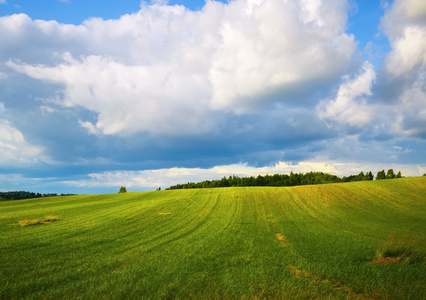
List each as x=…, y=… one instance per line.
x=99, y=94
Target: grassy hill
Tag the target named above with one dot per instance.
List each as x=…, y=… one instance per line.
x=362, y=240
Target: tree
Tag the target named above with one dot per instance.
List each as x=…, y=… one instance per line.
x=360, y=176
x=398, y=175
x=369, y=176
x=381, y=175
x=390, y=174
x=123, y=189
x=260, y=180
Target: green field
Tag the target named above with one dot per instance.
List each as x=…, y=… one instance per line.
x=361, y=240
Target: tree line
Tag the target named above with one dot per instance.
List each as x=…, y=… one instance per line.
x=19, y=195
x=292, y=179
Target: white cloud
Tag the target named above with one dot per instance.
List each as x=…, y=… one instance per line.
x=3, y=2
x=403, y=111
x=45, y=110
x=405, y=25
x=415, y=9
x=411, y=109
x=129, y=99
x=405, y=66
x=350, y=105
x=3, y=76
x=279, y=47
x=403, y=12
x=14, y=150
x=311, y=11
x=163, y=69
x=409, y=51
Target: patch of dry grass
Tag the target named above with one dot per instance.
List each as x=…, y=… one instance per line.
x=281, y=239
x=46, y=220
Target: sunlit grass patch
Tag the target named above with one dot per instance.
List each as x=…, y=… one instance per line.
x=46, y=220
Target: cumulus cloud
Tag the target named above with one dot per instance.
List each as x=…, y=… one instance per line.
x=402, y=14
x=405, y=66
x=169, y=70
x=409, y=51
x=14, y=150
x=276, y=50
x=411, y=112
x=390, y=103
x=128, y=99
x=350, y=105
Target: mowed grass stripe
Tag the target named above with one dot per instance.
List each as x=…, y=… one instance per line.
x=297, y=242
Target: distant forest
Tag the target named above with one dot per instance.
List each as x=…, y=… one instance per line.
x=285, y=180
x=19, y=195
x=268, y=180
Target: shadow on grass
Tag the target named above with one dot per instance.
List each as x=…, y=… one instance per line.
x=400, y=250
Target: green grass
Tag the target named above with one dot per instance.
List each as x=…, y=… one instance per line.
x=326, y=241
